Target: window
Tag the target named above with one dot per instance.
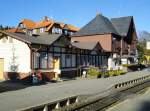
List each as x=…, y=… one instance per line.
x=68, y=60
x=57, y=30
x=50, y=60
x=82, y=62
x=78, y=60
x=36, y=60
x=10, y=40
x=22, y=26
x=97, y=61
x=73, y=60
x=63, y=49
x=71, y=33
x=90, y=60
x=42, y=30
x=63, y=62
x=105, y=60
x=30, y=32
x=86, y=60
x=34, y=31
x=100, y=61
x=43, y=60
x=102, y=58
x=56, y=49
x=51, y=49
x=66, y=32
x=93, y=58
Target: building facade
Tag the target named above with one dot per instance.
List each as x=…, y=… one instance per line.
x=116, y=35
x=55, y=48
x=46, y=26
x=50, y=53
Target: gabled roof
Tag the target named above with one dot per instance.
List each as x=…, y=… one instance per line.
x=70, y=27
x=86, y=45
x=122, y=24
x=46, y=39
x=28, y=23
x=99, y=25
x=43, y=23
x=46, y=22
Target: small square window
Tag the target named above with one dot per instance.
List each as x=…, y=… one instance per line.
x=10, y=40
x=4, y=40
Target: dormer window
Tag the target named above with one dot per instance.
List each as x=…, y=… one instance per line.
x=66, y=32
x=56, y=30
x=42, y=30
x=71, y=33
x=22, y=26
x=34, y=31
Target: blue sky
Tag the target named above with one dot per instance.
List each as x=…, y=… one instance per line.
x=77, y=12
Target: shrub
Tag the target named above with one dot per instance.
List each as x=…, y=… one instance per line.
x=92, y=71
x=128, y=65
x=115, y=72
x=111, y=73
x=134, y=67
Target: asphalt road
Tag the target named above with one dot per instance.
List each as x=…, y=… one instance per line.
x=30, y=96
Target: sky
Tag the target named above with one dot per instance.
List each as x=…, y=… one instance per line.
x=76, y=12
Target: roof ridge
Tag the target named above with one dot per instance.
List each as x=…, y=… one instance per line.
x=121, y=17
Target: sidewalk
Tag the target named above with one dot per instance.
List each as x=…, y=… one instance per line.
x=29, y=96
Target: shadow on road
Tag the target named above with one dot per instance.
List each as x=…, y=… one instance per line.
x=15, y=85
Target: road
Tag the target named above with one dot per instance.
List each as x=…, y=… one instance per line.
x=30, y=96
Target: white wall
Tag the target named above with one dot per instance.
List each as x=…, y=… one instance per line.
x=148, y=45
x=21, y=52
x=111, y=64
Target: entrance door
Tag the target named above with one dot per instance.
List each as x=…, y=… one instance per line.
x=1, y=68
x=57, y=67
x=57, y=62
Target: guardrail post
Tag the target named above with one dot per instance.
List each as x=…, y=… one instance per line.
x=77, y=100
x=45, y=108
x=57, y=105
x=68, y=102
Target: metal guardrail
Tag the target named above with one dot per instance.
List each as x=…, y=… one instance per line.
x=131, y=83
x=49, y=106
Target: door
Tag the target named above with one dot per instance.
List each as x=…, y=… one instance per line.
x=1, y=68
x=57, y=67
x=57, y=62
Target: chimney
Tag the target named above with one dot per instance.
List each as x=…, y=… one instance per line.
x=46, y=18
x=98, y=13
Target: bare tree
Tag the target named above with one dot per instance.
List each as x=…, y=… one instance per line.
x=13, y=63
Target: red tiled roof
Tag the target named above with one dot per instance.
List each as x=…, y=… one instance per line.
x=46, y=23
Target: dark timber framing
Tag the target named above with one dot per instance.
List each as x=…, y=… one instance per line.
x=82, y=57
